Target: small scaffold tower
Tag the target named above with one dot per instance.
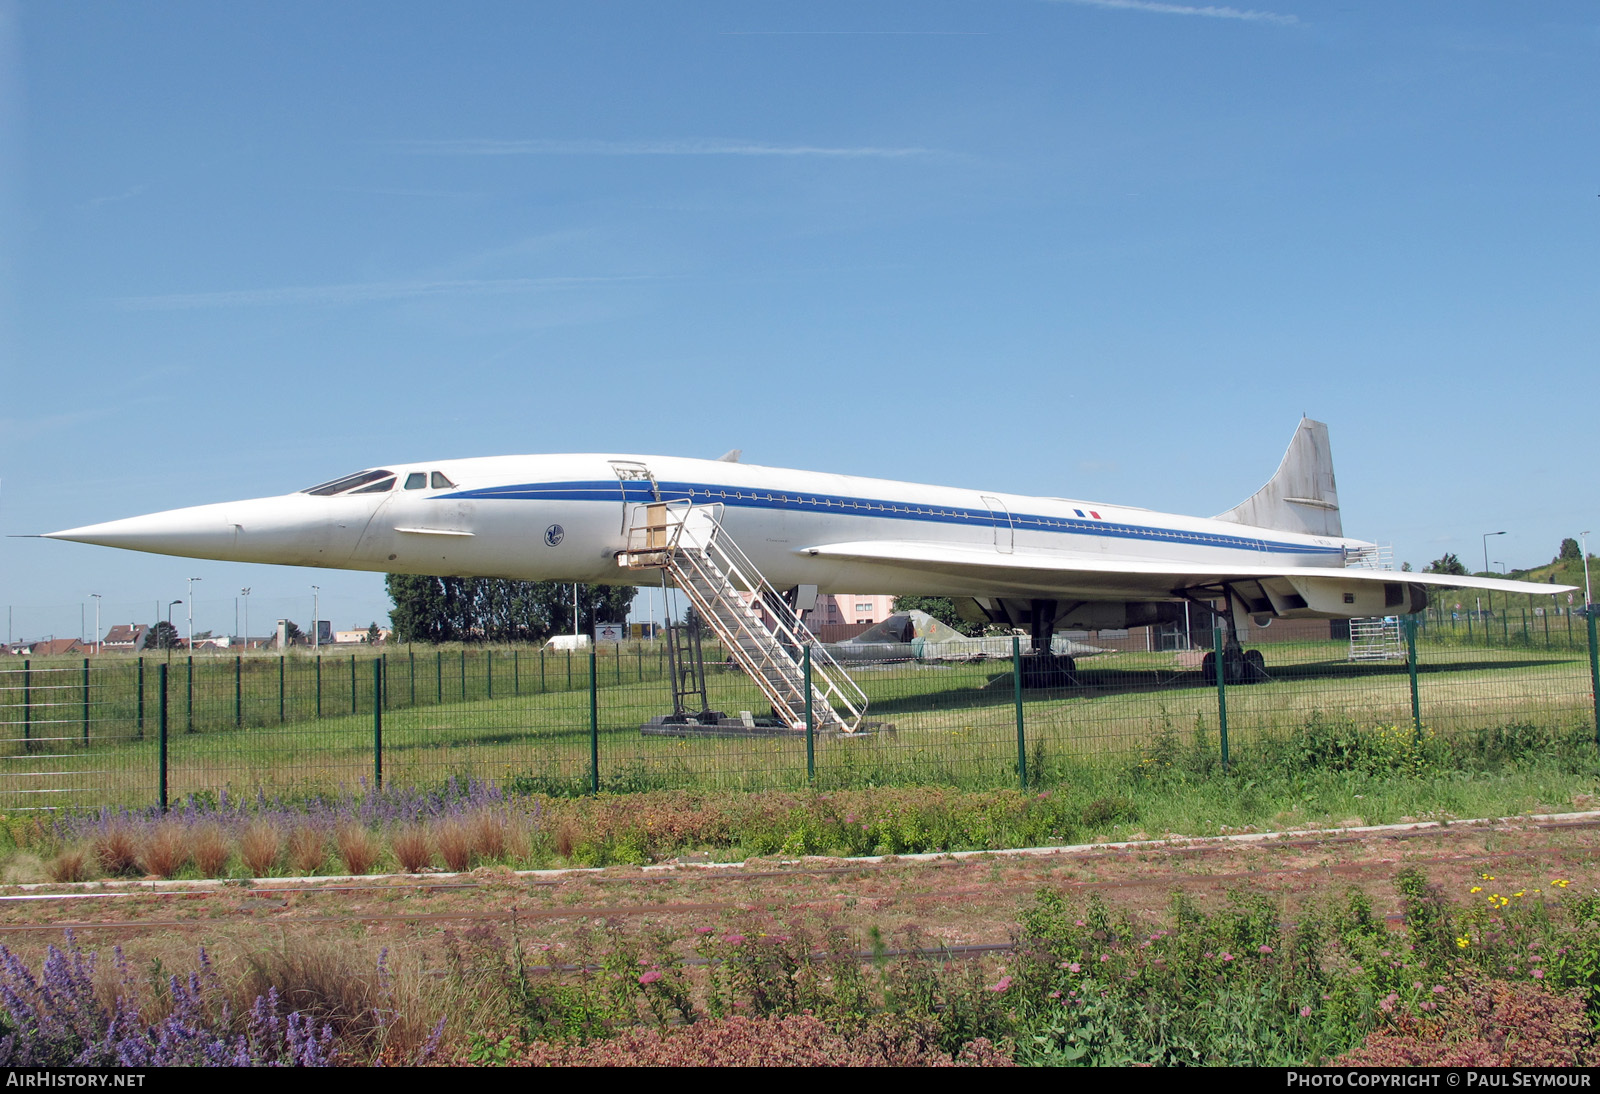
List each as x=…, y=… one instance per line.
x=689, y=543
x=1376, y=639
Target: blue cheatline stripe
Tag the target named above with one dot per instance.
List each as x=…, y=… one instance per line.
x=744, y=497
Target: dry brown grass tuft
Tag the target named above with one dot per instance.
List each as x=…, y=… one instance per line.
x=117, y=851
x=411, y=848
x=518, y=843
x=306, y=849
x=489, y=836
x=455, y=845
x=260, y=846
x=566, y=839
x=377, y=1011
x=70, y=865
x=164, y=849
x=210, y=850
x=357, y=847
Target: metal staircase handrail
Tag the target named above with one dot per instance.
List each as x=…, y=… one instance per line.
x=719, y=565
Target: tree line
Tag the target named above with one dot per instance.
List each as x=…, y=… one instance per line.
x=483, y=609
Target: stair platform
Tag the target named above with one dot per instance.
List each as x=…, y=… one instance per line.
x=671, y=725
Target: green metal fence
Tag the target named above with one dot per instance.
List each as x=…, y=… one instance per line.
x=129, y=731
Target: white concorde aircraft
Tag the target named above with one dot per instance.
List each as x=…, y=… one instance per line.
x=1042, y=563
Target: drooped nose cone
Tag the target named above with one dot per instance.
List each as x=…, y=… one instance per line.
x=295, y=530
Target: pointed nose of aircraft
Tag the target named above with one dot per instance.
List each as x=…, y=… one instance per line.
x=198, y=532
x=294, y=530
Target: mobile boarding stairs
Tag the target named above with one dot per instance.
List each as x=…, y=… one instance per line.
x=689, y=544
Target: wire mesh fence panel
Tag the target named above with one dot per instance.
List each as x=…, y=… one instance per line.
x=730, y=738
x=950, y=723
x=240, y=727
x=1474, y=689
x=1119, y=707
x=83, y=733
x=70, y=736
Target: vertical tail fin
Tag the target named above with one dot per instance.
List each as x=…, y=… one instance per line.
x=1302, y=496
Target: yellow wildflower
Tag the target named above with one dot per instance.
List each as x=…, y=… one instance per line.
x=1476, y=889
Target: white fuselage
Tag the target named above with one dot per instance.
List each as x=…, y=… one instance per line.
x=565, y=518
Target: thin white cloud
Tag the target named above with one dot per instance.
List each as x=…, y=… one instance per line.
x=856, y=33
x=477, y=147
x=356, y=293
x=1208, y=11
x=109, y=199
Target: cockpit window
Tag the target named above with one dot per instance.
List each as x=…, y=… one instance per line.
x=440, y=482
x=417, y=480
x=379, y=487
x=349, y=484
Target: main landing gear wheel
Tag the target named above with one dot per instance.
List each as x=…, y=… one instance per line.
x=1048, y=670
x=1246, y=667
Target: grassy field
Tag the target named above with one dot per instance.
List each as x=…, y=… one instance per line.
x=514, y=715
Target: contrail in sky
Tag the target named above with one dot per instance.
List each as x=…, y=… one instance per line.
x=484, y=147
x=356, y=293
x=1209, y=11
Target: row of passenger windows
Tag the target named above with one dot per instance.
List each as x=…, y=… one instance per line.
x=380, y=482
x=970, y=514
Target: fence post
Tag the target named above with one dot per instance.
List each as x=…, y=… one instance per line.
x=411, y=674
x=488, y=672
x=1016, y=694
x=139, y=716
x=161, y=732
x=352, y=683
x=27, y=705
x=438, y=677
x=541, y=672
x=463, y=674
x=1217, y=651
x=85, y=700
x=516, y=671
x=238, y=691
x=811, y=725
x=281, y=658
x=384, y=657
x=377, y=722
x=319, y=685
x=594, y=724
x=188, y=700
x=1411, y=663
x=1594, y=670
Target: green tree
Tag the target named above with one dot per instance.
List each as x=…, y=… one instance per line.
x=942, y=608
x=1449, y=564
x=374, y=635
x=1569, y=551
x=468, y=609
x=162, y=636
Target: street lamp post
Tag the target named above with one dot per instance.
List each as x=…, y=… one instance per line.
x=189, y=608
x=96, y=621
x=1486, y=570
x=169, y=627
x=1588, y=597
x=1486, y=536
x=316, y=609
x=246, y=594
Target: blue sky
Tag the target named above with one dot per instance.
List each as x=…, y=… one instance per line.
x=1108, y=249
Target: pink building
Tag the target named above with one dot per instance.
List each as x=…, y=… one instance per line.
x=844, y=614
